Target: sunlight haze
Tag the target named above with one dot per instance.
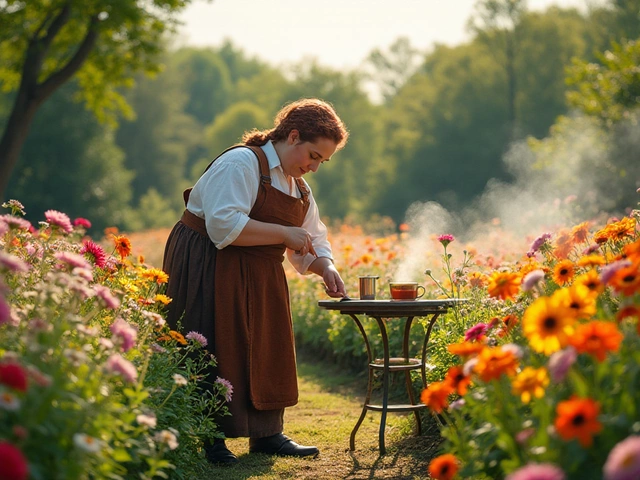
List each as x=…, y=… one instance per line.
x=338, y=33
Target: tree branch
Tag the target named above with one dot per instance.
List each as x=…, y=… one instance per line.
x=54, y=28
x=56, y=79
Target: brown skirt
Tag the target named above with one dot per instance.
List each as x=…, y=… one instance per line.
x=190, y=260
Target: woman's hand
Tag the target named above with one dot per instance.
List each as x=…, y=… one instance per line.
x=299, y=240
x=333, y=283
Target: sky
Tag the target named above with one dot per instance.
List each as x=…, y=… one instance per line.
x=338, y=33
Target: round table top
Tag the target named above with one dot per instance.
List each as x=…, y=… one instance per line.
x=396, y=308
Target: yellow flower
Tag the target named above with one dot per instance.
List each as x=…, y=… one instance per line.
x=156, y=275
x=579, y=299
x=504, y=285
x=163, y=299
x=547, y=323
x=529, y=383
x=593, y=260
x=591, y=280
x=563, y=272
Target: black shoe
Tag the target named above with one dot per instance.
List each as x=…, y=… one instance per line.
x=219, y=454
x=280, y=444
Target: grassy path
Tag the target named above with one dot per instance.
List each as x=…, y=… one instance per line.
x=330, y=404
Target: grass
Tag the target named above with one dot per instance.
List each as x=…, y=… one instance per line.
x=330, y=404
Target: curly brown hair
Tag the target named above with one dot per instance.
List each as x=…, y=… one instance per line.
x=312, y=117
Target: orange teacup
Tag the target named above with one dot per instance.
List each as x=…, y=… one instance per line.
x=405, y=290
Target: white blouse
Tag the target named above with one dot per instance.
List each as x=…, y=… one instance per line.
x=224, y=195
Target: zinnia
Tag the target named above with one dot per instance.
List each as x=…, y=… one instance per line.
x=530, y=383
x=14, y=376
x=13, y=464
x=59, y=219
x=436, y=396
x=623, y=462
x=578, y=418
x=444, y=467
x=597, y=338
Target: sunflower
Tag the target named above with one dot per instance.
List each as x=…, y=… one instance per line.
x=626, y=280
x=123, y=245
x=579, y=299
x=597, y=339
x=578, y=418
x=563, y=272
x=548, y=323
x=436, y=396
x=458, y=380
x=591, y=280
x=493, y=362
x=529, y=383
x=444, y=467
x=504, y=285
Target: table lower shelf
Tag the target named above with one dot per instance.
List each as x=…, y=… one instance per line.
x=396, y=408
x=397, y=364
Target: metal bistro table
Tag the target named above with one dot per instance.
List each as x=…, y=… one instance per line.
x=380, y=309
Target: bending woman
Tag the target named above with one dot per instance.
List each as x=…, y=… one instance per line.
x=224, y=259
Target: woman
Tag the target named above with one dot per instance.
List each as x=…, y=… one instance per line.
x=224, y=260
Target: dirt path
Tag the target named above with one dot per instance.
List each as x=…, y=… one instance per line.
x=330, y=404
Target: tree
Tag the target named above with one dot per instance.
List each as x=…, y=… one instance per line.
x=44, y=43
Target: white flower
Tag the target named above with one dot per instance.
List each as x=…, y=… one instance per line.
x=165, y=436
x=9, y=401
x=87, y=443
x=179, y=380
x=148, y=420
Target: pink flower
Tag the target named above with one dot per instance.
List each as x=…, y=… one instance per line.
x=197, y=337
x=125, y=332
x=72, y=259
x=17, y=223
x=4, y=228
x=623, y=462
x=524, y=435
x=537, y=244
x=107, y=297
x=94, y=252
x=446, y=239
x=609, y=270
x=14, y=463
x=118, y=365
x=537, y=471
x=14, y=376
x=475, y=332
x=228, y=388
x=82, y=222
x=59, y=219
x=531, y=279
x=12, y=263
x=560, y=362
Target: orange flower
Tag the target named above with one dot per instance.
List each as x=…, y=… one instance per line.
x=580, y=233
x=444, y=467
x=591, y=280
x=436, y=396
x=578, y=418
x=156, y=275
x=632, y=251
x=458, y=381
x=477, y=279
x=628, y=311
x=507, y=323
x=504, y=285
x=177, y=336
x=593, y=260
x=563, y=272
x=626, y=280
x=465, y=349
x=494, y=362
x=530, y=383
x=123, y=245
x=564, y=244
x=597, y=338
x=579, y=299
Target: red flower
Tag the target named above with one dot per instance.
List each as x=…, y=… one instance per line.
x=14, y=376
x=13, y=464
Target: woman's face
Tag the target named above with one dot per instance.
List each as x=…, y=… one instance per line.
x=298, y=157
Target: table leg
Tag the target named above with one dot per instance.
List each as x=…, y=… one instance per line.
x=407, y=373
x=352, y=439
x=423, y=370
x=385, y=384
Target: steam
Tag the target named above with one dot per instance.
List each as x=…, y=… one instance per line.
x=579, y=173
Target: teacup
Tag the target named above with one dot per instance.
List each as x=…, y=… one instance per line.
x=405, y=290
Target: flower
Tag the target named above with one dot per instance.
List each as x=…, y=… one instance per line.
x=94, y=253
x=13, y=263
x=538, y=243
x=579, y=299
x=580, y=233
x=530, y=382
x=591, y=260
x=465, y=349
x=14, y=463
x=14, y=376
x=87, y=443
x=178, y=337
x=72, y=259
x=15, y=206
x=156, y=275
x=458, y=381
x=5, y=312
x=163, y=299
x=9, y=402
x=537, y=471
x=436, y=395
x=148, y=420
x=198, y=338
x=59, y=219
x=597, y=338
x=444, y=467
x=15, y=223
x=123, y=245
x=105, y=294
x=476, y=332
x=493, y=362
x=591, y=280
x=504, y=285
x=563, y=272
x=560, y=362
x=228, y=388
x=125, y=332
x=167, y=437
x=531, y=279
x=609, y=271
x=626, y=280
x=118, y=365
x=179, y=380
x=547, y=323
x=82, y=222
x=446, y=239
x=578, y=418
x=628, y=311
x=623, y=462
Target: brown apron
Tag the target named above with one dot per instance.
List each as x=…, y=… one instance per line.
x=238, y=299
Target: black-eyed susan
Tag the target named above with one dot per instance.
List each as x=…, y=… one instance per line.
x=563, y=272
x=577, y=418
x=591, y=280
x=579, y=299
x=529, y=383
x=597, y=338
x=547, y=323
